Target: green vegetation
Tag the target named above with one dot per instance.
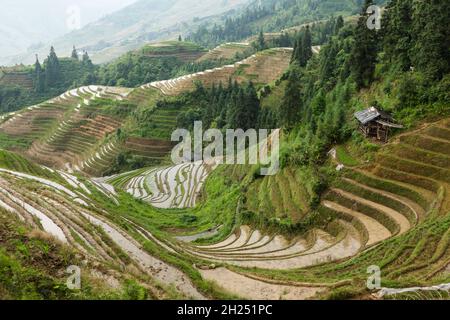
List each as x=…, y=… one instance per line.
x=344, y=157
x=32, y=267
x=320, y=98
x=388, y=205
x=270, y=16
x=51, y=79
x=14, y=162
x=236, y=106
x=151, y=63
x=172, y=47
x=7, y=142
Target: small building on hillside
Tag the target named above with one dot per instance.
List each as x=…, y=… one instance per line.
x=376, y=123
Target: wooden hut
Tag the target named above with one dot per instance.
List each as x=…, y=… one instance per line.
x=376, y=124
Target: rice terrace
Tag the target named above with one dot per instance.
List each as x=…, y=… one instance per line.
x=353, y=121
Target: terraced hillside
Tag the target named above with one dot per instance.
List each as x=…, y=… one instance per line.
x=64, y=131
x=156, y=145
x=184, y=51
x=71, y=210
x=171, y=187
x=86, y=179
x=21, y=79
x=282, y=195
x=61, y=205
x=31, y=272
x=34, y=121
x=226, y=51
x=251, y=248
x=176, y=186
x=393, y=213
x=174, y=226
x=263, y=67
x=76, y=131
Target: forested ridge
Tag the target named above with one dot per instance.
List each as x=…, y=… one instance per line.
x=271, y=16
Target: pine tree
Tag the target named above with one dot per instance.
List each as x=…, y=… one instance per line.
x=328, y=64
x=296, y=51
x=39, y=84
x=74, y=53
x=233, y=102
x=339, y=25
x=318, y=104
x=364, y=54
x=52, y=69
x=397, y=33
x=180, y=38
x=86, y=60
x=261, y=42
x=306, y=44
x=290, y=107
x=250, y=110
x=222, y=119
x=430, y=53
x=303, y=48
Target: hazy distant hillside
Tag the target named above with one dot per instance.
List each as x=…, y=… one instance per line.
x=25, y=23
x=129, y=28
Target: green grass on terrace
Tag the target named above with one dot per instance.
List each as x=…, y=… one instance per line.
x=15, y=162
x=11, y=142
x=32, y=267
x=172, y=47
x=344, y=157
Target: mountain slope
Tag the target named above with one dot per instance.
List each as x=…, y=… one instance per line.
x=131, y=27
x=392, y=214
x=85, y=129
x=23, y=25
x=314, y=229
x=66, y=211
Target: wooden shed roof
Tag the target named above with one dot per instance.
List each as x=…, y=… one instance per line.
x=390, y=124
x=371, y=114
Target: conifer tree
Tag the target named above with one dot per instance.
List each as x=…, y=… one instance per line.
x=397, y=33
x=364, y=54
x=303, y=48
x=74, y=53
x=52, y=69
x=306, y=44
x=232, y=108
x=86, y=60
x=39, y=84
x=339, y=25
x=328, y=63
x=297, y=53
x=431, y=49
x=290, y=106
x=250, y=107
x=261, y=42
